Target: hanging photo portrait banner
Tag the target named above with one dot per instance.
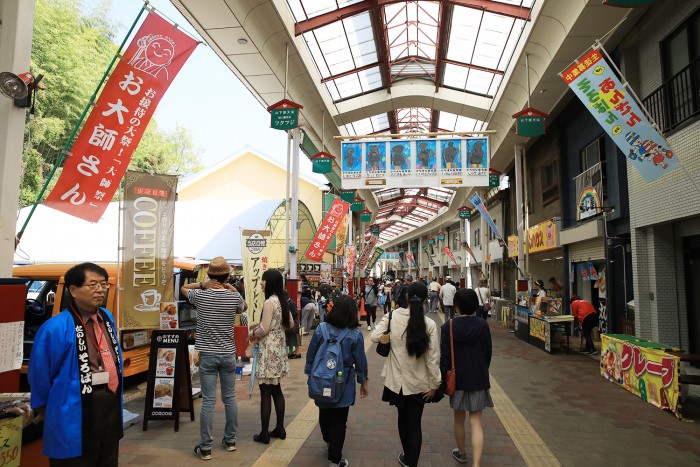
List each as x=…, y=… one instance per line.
x=615, y=108
x=148, y=231
x=103, y=148
x=255, y=245
x=415, y=162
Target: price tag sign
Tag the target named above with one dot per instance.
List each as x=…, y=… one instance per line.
x=10, y=442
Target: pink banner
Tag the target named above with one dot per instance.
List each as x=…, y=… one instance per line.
x=103, y=149
x=326, y=230
x=447, y=251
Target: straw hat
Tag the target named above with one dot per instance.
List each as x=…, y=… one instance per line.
x=218, y=267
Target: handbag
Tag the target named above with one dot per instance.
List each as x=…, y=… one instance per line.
x=384, y=345
x=451, y=376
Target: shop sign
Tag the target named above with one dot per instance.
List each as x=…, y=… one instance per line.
x=284, y=115
x=542, y=237
x=322, y=163
x=356, y=205
x=513, y=249
x=494, y=180
x=375, y=230
x=11, y=438
x=643, y=368
x=347, y=195
x=465, y=212
x=414, y=247
x=441, y=237
x=431, y=241
x=365, y=216
x=529, y=122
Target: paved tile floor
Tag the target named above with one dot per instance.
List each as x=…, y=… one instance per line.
x=551, y=410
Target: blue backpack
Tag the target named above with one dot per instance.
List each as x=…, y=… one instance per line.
x=324, y=383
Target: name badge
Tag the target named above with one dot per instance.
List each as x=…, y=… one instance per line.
x=100, y=377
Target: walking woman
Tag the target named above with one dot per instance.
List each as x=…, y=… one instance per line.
x=333, y=417
x=412, y=371
x=273, y=365
x=472, y=349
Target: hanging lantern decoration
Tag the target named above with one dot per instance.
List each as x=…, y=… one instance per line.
x=365, y=215
x=347, y=195
x=357, y=205
x=441, y=236
x=529, y=122
x=322, y=163
x=465, y=212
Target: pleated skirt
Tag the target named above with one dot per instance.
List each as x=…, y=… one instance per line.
x=471, y=401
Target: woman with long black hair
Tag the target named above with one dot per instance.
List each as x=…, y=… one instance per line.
x=273, y=365
x=412, y=368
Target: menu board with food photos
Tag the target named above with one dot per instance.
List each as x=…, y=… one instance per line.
x=169, y=387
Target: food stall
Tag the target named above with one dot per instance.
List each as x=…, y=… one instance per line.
x=540, y=323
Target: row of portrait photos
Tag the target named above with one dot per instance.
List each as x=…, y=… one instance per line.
x=415, y=159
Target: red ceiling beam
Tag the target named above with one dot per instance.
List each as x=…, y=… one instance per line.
x=417, y=198
x=381, y=43
x=474, y=67
x=332, y=16
x=504, y=9
x=441, y=50
x=350, y=72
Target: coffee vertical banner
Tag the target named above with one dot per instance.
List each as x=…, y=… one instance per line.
x=255, y=247
x=149, y=215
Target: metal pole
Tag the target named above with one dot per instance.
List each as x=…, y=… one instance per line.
x=463, y=263
x=527, y=217
x=295, y=203
x=286, y=206
x=519, y=182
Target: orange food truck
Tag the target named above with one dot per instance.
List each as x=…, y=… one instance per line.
x=47, y=296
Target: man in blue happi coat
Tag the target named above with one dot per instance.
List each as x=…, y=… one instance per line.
x=75, y=376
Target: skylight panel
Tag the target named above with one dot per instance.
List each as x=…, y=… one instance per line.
x=479, y=82
x=452, y=122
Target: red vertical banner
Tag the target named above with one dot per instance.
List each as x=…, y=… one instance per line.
x=327, y=230
x=103, y=148
x=447, y=251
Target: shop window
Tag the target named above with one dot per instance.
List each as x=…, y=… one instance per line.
x=477, y=237
x=549, y=178
x=492, y=236
x=590, y=155
x=455, y=241
x=676, y=100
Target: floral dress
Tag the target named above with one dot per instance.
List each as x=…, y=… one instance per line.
x=273, y=363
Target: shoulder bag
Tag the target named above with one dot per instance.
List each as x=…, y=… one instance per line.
x=485, y=305
x=384, y=345
x=451, y=376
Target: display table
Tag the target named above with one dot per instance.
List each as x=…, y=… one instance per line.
x=646, y=369
x=549, y=333
x=546, y=333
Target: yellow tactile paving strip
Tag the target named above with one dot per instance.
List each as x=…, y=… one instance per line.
x=282, y=452
x=533, y=449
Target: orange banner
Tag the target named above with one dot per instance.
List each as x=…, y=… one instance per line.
x=103, y=149
x=327, y=229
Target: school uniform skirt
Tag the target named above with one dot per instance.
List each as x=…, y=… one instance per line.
x=471, y=401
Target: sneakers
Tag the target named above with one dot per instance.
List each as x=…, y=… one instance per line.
x=460, y=457
x=343, y=463
x=369, y=328
x=228, y=446
x=203, y=454
x=402, y=460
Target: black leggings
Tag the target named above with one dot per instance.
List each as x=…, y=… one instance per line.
x=333, y=426
x=410, y=431
x=589, y=322
x=268, y=393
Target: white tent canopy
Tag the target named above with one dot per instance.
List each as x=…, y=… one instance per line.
x=203, y=230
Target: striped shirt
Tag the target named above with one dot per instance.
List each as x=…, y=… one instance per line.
x=216, y=310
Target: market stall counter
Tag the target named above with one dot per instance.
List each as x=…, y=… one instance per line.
x=542, y=326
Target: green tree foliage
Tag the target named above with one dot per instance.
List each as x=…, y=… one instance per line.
x=72, y=50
